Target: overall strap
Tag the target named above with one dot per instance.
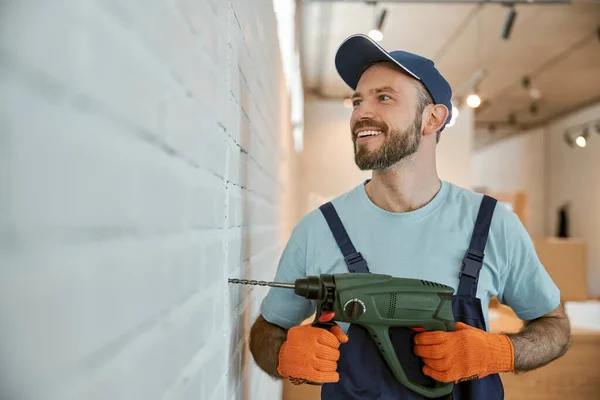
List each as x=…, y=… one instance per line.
x=354, y=260
x=473, y=260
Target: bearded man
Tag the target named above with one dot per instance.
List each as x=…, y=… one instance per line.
x=406, y=222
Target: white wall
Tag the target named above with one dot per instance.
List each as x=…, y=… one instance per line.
x=328, y=166
x=516, y=164
x=454, y=150
x=140, y=146
x=551, y=173
x=573, y=175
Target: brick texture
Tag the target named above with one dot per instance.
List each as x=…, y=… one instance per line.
x=145, y=157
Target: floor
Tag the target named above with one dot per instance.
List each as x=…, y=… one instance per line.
x=575, y=376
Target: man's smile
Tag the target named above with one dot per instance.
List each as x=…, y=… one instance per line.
x=367, y=133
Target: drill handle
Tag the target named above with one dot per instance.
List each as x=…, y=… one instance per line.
x=382, y=337
x=323, y=320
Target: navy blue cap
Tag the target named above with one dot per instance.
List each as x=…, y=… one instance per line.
x=358, y=51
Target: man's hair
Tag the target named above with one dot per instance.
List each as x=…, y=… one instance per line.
x=423, y=97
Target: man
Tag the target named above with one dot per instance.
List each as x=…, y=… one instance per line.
x=406, y=222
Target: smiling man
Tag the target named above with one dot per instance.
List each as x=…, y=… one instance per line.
x=406, y=222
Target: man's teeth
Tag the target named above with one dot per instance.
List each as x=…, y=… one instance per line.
x=369, y=133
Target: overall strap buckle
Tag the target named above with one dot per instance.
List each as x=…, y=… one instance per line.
x=472, y=263
x=356, y=262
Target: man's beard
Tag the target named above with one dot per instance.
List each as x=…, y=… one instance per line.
x=397, y=145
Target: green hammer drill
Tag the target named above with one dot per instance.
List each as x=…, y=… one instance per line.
x=378, y=303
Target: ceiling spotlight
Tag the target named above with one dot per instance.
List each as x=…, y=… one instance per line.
x=535, y=93
x=581, y=140
x=376, y=35
x=473, y=101
x=453, y=118
x=509, y=21
x=348, y=103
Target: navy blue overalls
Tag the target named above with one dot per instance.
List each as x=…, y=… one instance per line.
x=364, y=374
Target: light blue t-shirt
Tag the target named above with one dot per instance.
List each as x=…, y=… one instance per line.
x=428, y=243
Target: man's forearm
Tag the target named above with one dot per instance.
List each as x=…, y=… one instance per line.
x=541, y=341
x=266, y=340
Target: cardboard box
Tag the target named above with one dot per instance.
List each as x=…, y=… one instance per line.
x=566, y=263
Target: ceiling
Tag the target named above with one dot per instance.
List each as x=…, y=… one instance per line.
x=556, y=45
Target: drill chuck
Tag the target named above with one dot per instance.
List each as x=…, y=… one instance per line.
x=310, y=288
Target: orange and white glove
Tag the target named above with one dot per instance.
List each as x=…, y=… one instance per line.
x=465, y=354
x=311, y=354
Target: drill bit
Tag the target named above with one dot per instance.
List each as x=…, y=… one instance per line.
x=262, y=283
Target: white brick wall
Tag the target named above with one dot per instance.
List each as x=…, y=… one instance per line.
x=140, y=156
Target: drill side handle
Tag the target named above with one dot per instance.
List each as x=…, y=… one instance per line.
x=324, y=314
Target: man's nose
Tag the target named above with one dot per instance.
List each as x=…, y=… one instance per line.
x=363, y=111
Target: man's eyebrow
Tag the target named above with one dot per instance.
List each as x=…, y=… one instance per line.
x=385, y=89
x=376, y=90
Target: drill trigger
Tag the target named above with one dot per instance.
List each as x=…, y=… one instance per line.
x=326, y=316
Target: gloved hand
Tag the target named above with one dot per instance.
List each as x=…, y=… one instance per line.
x=311, y=354
x=465, y=354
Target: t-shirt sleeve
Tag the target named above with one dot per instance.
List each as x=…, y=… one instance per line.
x=527, y=287
x=283, y=307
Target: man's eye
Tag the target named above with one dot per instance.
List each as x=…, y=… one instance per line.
x=356, y=103
x=384, y=97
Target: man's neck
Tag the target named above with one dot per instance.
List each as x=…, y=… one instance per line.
x=403, y=188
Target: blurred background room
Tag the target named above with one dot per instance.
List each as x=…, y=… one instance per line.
x=149, y=150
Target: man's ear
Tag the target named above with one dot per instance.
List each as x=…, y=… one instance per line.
x=436, y=118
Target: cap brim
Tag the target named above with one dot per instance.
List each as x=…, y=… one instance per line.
x=358, y=51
